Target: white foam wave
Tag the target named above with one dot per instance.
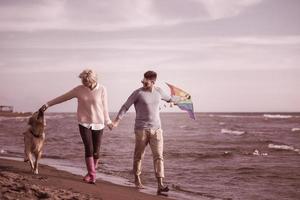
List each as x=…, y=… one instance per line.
x=232, y=132
x=277, y=116
x=232, y=116
x=258, y=153
x=21, y=119
x=14, y=118
x=58, y=116
x=283, y=147
x=295, y=129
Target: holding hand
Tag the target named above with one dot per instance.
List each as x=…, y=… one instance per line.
x=110, y=126
x=114, y=124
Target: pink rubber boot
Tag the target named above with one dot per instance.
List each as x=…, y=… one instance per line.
x=91, y=175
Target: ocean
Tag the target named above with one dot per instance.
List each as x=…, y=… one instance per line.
x=217, y=156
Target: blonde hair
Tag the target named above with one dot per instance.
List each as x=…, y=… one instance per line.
x=88, y=75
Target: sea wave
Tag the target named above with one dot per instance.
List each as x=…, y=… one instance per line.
x=295, y=130
x=57, y=116
x=13, y=153
x=6, y=118
x=228, y=116
x=19, y=119
x=256, y=152
x=2, y=151
x=54, y=157
x=199, y=155
x=232, y=132
x=277, y=116
x=246, y=170
x=283, y=147
x=3, y=118
x=233, y=116
x=204, y=195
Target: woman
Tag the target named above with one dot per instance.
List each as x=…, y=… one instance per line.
x=92, y=115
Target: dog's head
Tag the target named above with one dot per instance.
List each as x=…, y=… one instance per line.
x=37, y=123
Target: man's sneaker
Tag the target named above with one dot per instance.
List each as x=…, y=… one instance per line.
x=163, y=191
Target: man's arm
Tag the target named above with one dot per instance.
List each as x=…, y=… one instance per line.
x=131, y=100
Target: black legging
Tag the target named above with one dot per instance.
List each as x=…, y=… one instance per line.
x=91, y=140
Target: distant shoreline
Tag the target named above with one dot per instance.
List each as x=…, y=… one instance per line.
x=26, y=114
x=15, y=114
x=177, y=112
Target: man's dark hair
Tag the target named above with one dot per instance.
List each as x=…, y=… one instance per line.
x=151, y=75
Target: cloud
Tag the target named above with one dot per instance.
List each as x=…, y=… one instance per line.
x=112, y=15
x=267, y=40
x=179, y=54
x=32, y=15
x=218, y=9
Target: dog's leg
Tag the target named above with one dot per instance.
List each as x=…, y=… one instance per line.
x=36, y=164
x=26, y=148
x=26, y=155
x=30, y=161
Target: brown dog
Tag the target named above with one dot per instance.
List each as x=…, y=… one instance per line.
x=34, y=139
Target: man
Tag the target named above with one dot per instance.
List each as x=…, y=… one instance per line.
x=147, y=127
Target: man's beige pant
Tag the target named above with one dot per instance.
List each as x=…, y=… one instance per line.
x=154, y=138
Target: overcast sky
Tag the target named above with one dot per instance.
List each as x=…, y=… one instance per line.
x=230, y=55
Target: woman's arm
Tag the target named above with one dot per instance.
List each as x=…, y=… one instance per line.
x=65, y=97
x=105, y=106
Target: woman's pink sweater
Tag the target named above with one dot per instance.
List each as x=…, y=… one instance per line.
x=92, y=104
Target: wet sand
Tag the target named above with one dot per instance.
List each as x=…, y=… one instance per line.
x=17, y=182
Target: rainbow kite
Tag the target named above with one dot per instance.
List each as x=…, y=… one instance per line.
x=185, y=104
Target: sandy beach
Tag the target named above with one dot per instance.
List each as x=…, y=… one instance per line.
x=17, y=182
